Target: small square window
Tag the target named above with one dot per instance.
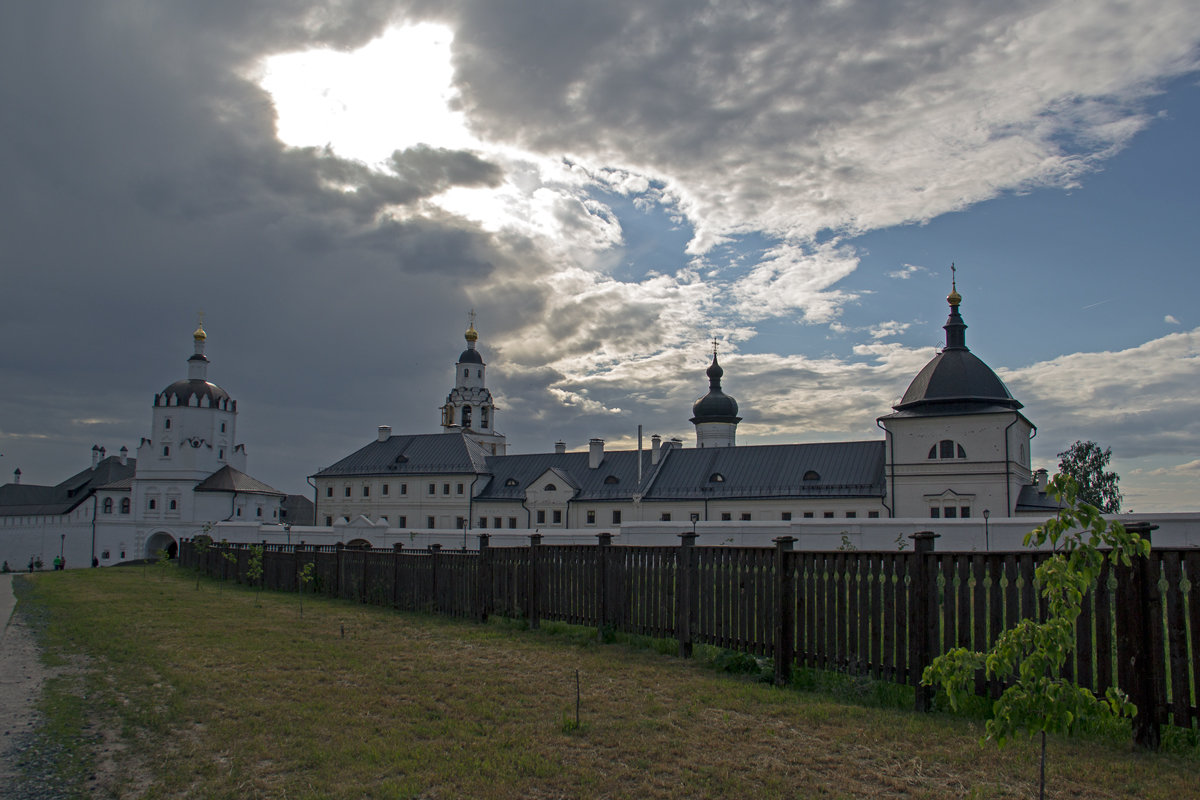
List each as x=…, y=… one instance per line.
x=512, y=522
x=459, y=489
x=386, y=490
x=497, y=522
x=616, y=516
x=483, y=522
x=851, y=514
x=445, y=488
x=328, y=522
x=726, y=516
x=964, y=512
x=366, y=491
x=402, y=522
x=745, y=516
x=665, y=516
x=329, y=491
x=347, y=491
x=429, y=522
x=786, y=516
x=433, y=488
x=935, y=513
x=872, y=515
x=808, y=515
x=541, y=516
x=404, y=488
x=950, y=512
x=827, y=515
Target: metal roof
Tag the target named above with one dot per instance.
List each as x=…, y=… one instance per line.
x=614, y=479
x=423, y=453
x=228, y=479
x=20, y=499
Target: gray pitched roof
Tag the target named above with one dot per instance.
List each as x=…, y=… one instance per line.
x=423, y=453
x=228, y=479
x=843, y=469
x=21, y=499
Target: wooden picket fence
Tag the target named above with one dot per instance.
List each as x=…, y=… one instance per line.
x=882, y=614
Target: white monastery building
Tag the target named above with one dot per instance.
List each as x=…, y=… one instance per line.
x=188, y=475
x=956, y=447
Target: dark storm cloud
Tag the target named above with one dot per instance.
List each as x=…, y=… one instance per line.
x=143, y=182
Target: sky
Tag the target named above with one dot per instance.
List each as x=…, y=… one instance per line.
x=610, y=187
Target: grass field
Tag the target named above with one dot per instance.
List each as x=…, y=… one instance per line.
x=166, y=690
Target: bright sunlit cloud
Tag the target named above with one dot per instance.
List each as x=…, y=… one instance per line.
x=393, y=93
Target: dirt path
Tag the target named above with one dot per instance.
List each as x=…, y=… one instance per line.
x=21, y=676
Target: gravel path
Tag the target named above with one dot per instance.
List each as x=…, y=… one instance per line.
x=21, y=677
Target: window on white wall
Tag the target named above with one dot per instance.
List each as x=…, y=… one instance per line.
x=946, y=449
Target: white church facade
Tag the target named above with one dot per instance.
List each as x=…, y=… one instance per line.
x=956, y=447
x=188, y=475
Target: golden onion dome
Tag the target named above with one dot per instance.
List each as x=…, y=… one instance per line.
x=471, y=335
x=199, y=335
x=954, y=298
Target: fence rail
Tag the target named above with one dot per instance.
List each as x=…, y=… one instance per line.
x=882, y=614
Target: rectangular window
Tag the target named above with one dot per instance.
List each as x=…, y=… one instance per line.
x=745, y=516
x=497, y=522
x=808, y=515
x=827, y=515
x=964, y=512
x=429, y=522
x=222, y=427
x=167, y=424
x=445, y=488
x=950, y=512
x=402, y=522
x=329, y=522
x=726, y=516
x=347, y=491
x=483, y=522
x=404, y=488
x=329, y=491
x=512, y=522
x=786, y=516
x=239, y=512
x=258, y=511
x=616, y=516
x=153, y=504
x=459, y=490
x=591, y=516
x=665, y=516
x=851, y=514
x=935, y=513
x=872, y=515
x=174, y=505
x=557, y=517
x=433, y=488
x=366, y=491
x=386, y=489
x=460, y=523
x=541, y=516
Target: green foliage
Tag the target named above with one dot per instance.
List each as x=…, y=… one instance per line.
x=1085, y=463
x=304, y=576
x=201, y=545
x=164, y=560
x=1031, y=654
x=254, y=570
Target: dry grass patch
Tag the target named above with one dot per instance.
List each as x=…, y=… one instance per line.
x=217, y=698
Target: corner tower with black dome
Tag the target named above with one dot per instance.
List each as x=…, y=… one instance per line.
x=469, y=406
x=715, y=415
x=957, y=443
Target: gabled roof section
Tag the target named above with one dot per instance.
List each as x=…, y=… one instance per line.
x=844, y=469
x=21, y=499
x=228, y=479
x=419, y=454
x=523, y=470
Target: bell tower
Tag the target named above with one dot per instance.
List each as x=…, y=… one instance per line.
x=469, y=406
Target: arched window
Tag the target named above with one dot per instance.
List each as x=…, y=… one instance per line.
x=166, y=450
x=167, y=424
x=483, y=417
x=947, y=448
x=466, y=416
x=511, y=482
x=812, y=475
x=124, y=505
x=108, y=505
x=466, y=373
x=716, y=477
x=611, y=479
x=174, y=505
x=550, y=487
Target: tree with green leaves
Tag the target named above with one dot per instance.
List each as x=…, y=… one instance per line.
x=1086, y=464
x=1030, y=655
x=304, y=577
x=201, y=545
x=254, y=570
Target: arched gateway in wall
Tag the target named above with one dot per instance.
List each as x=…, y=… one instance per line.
x=161, y=540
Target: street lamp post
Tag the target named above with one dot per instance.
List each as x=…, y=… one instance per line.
x=987, y=542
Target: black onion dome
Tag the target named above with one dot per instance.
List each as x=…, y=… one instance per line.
x=470, y=356
x=183, y=391
x=955, y=375
x=716, y=406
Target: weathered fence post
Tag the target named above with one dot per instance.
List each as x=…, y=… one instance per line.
x=532, y=579
x=785, y=610
x=337, y=572
x=603, y=603
x=684, y=567
x=921, y=617
x=1139, y=634
x=397, y=549
x=483, y=577
x=435, y=551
